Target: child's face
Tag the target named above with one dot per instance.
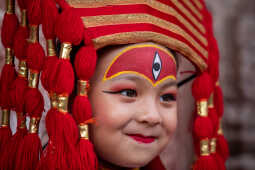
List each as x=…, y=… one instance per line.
x=133, y=97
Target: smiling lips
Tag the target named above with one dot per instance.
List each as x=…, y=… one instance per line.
x=142, y=139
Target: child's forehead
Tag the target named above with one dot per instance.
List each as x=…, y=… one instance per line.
x=148, y=60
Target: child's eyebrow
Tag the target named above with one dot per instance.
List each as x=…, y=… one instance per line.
x=168, y=84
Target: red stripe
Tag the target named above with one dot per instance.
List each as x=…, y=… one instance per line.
x=113, y=29
x=194, y=4
x=134, y=9
x=192, y=13
x=169, y=3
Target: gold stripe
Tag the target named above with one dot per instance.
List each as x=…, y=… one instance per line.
x=199, y=5
x=153, y=4
x=101, y=20
x=189, y=15
x=147, y=36
x=193, y=9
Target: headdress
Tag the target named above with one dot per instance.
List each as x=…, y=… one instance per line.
x=184, y=26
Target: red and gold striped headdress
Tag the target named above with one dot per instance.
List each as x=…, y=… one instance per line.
x=181, y=25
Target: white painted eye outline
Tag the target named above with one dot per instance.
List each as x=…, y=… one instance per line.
x=156, y=66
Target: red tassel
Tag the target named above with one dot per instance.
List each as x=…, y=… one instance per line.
x=214, y=118
x=35, y=56
x=220, y=162
x=5, y=136
x=7, y=78
x=85, y=62
x=22, y=4
x=218, y=101
x=29, y=152
x=10, y=25
x=49, y=72
x=9, y=153
x=87, y=155
x=205, y=163
x=18, y=93
x=49, y=16
x=65, y=77
x=222, y=147
x=69, y=27
x=34, y=12
x=20, y=43
x=34, y=103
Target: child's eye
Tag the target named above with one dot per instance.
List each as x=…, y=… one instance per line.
x=128, y=92
x=124, y=92
x=168, y=97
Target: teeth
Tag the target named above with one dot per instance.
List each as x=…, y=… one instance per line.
x=156, y=66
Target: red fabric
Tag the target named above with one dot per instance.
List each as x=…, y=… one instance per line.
x=170, y=3
x=222, y=147
x=9, y=27
x=112, y=29
x=134, y=9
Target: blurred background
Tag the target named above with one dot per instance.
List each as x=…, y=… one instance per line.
x=234, y=27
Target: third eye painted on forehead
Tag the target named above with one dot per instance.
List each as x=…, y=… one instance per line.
x=149, y=61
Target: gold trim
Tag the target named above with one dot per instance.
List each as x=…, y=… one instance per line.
x=220, y=130
x=51, y=48
x=84, y=131
x=33, y=79
x=202, y=108
x=204, y=147
x=153, y=4
x=5, y=118
x=218, y=83
x=62, y=103
x=210, y=101
x=199, y=5
x=54, y=100
x=102, y=20
x=213, y=145
x=193, y=9
x=142, y=36
x=34, y=125
x=65, y=51
x=8, y=56
x=23, y=22
x=22, y=69
x=83, y=87
x=10, y=6
x=34, y=34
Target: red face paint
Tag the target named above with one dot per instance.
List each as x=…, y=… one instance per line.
x=149, y=61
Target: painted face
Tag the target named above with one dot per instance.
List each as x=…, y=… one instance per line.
x=133, y=97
